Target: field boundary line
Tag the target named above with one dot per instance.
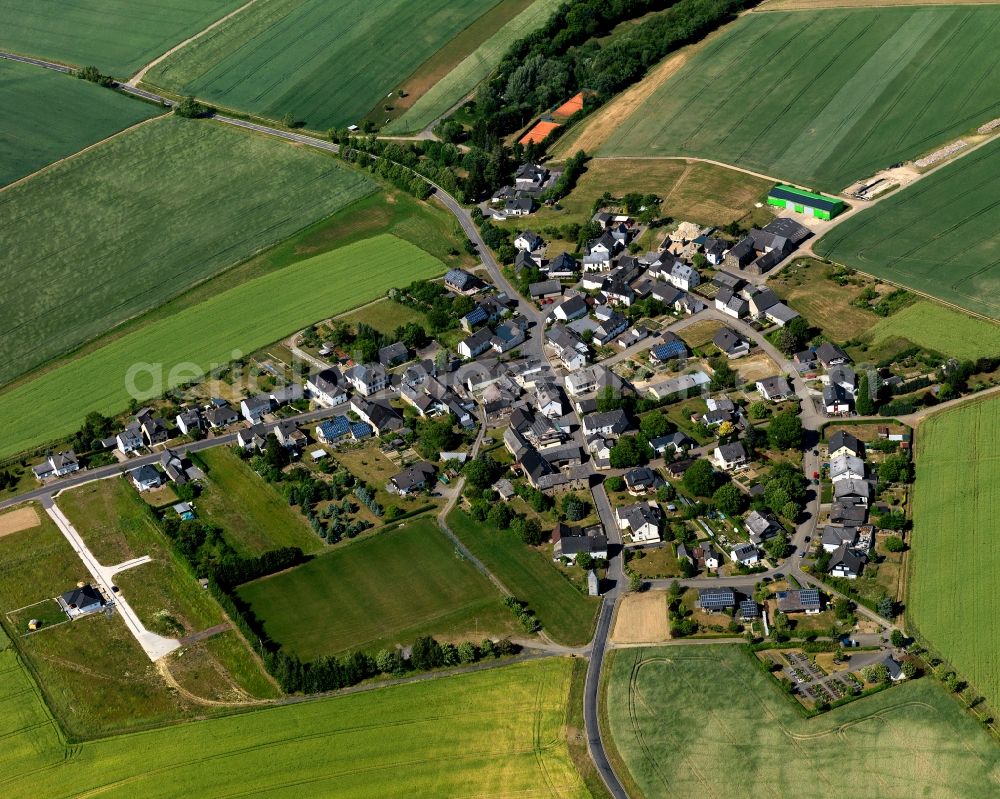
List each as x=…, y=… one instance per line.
x=138, y=76
x=89, y=147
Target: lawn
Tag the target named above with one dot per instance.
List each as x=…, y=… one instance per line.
x=453, y=87
x=806, y=287
x=380, y=591
x=743, y=738
x=129, y=224
x=824, y=97
x=952, y=601
x=118, y=36
x=56, y=116
x=499, y=733
x=567, y=615
x=326, y=65
x=253, y=516
x=937, y=327
x=184, y=346
x=384, y=315
x=116, y=526
x=691, y=190
x=938, y=236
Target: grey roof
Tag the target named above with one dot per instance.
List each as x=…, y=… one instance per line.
x=328, y=381
x=83, y=596
x=844, y=439
x=617, y=420
x=534, y=240
x=461, y=279
x=544, y=287
x=835, y=536
x=776, y=386
x=412, y=476
x=798, y=600
x=716, y=598
x=573, y=305
x=393, y=353
x=564, y=262
x=781, y=313
x=481, y=338
x=732, y=451
x=847, y=558
x=827, y=353
x=145, y=474
x=848, y=512
x=728, y=340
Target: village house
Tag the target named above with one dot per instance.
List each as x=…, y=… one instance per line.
x=563, y=267
x=529, y=241
x=846, y=467
x=714, y=600
x=799, y=600
x=381, y=416
x=843, y=443
x=80, y=601
x=476, y=344
x=607, y=423
x=745, y=554
x=367, y=378
x=130, y=439
x=640, y=522
x=761, y=526
x=568, y=346
x=730, y=457
x=146, y=478
x=509, y=335
x=855, y=491
x=675, y=443
x=549, y=400
x=462, y=282
x=569, y=541
x=327, y=387
x=731, y=304
x=221, y=415
x=58, y=464
x=412, y=479
x=254, y=408
x=844, y=562
x=835, y=537
x=189, y=421
x=775, y=389
x=671, y=346
x=570, y=309
x=393, y=354
x=831, y=355
x=332, y=430
x=641, y=480
x=731, y=343
x=610, y=328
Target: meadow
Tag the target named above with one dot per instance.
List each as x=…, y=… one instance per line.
x=129, y=224
x=939, y=236
x=320, y=63
x=567, y=615
x=56, y=116
x=743, y=738
x=453, y=87
x=117, y=36
x=380, y=591
x=184, y=346
x=253, y=516
x=955, y=555
x=498, y=733
x=941, y=329
x=824, y=97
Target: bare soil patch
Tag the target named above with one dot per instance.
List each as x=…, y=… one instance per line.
x=642, y=619
x=756, y=367
x=17, y=520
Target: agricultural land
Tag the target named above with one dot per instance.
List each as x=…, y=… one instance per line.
x=910, y=740
x=824, y=97
x=117, y=36
x=314, y=61
x=566, y=613
x=453, y=87
x=939, y=237
x=380, y=591
x=936, y=327
x=207, y=334
x=951, y=601
x=149, y=228
x=499, y=732
x=56, y=117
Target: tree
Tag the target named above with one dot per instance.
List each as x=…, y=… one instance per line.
x=699, y=479
x=777, y=547
x=728, y=499
x=793, y=336
x=909, y=669
x=898, y=639
x=467, y=652
x=894, y=544
x=614, y=483
x=630, y=451
x=500, y=515
x=573, y=507
x=790, y=510
x=387, y=661
x=608, y=400
x=634, y=582
x=864, y=404
x=758, y=410
x=426, y=654
x=785, y=431
x=585, y=561
x=529, y=530
x=666, y=492
x=723, y=376
x=481, y=472
x=876, y=673
x=885, y=607
x=726, y=429
x=189, y=108
x=654, y=424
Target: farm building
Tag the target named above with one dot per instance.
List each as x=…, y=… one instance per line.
x=804, y=202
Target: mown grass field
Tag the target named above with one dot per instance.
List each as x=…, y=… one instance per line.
x=939, y=236
x=380, y=591
x=567, y=615
x=471, y=71
x=952, y=598
x=741, y=737
x=130, y=224
x=253, y=516
x=242, y=319
x=499, y=734
x=942, y=329
x=56, y=116
x=326, y=65
x=825, y=97
x=117, y=36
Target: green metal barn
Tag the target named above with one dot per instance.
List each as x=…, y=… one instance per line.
x=804, y=202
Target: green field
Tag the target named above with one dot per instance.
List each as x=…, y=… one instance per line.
x=952, y=600
x=185, y=345
x=566, y=614
x=497, y=734
x=326, y=65
x=380, y=591
x=939, y=328
x=825, y=97
x=471, y=71
x=939, y=236
x=118, y=36
x=253, y=516
x=56, y=117
x=705, y=721
x=128, y=225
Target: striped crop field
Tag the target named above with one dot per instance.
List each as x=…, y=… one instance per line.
x=952, y=599
x=184, y=346
x=473, y=69
x=124, y=227
x=742, y=738
x=828, y=96
x=116, y=36
x=940, y=236
x=497, y=734
x=57, y=115
x=326, y=64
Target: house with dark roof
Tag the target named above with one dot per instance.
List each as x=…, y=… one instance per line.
x=529, y=240
x=775, y=389
x=544, y=289
x=367, y=378
x=675, y=443
x=641, y=479
x=845, y=562
x=327, y=387
x=843, y=443
x=81, y=600
x=671, y=346
x=731, y=343
x=802, y=600
x=462, y=282
x=476, y=344
x=189, y=420
x=607, y=423
x=568, y=541
x=508, y=335
x=835, y=537
x=221, y=415
x=730, y=456
x=382, y=417
x=848, y=513
x=57, y=464
x=761, y=526
x=332, y=430
x=640, y=522
x=130, y=439
x=146, y=477
x=571, y=308
x=392, y=354
x=154, y=430
x=563, y=265
x=831, y=355
x=412, y=479
x=607, y=330
x=713, y=600
x=745, y=554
